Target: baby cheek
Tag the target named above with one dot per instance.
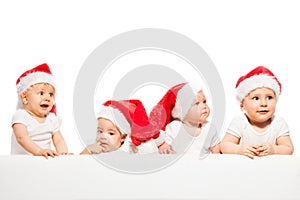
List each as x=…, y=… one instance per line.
x=194, y=113
x=97, y=138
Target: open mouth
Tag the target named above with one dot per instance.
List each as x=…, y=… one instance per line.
x=44, y=105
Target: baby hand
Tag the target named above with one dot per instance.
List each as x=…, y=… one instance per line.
x=94, y=148
x=166, y=149
x=249, y=150
x=47, y=152
x=132, y=148
x=265, y=149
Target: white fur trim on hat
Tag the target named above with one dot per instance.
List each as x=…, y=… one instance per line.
x=185, y=97
x=34, y=78
x=116, y=117
x=257, y=81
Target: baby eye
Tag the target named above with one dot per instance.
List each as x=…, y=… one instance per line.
x=41, y=93
x=255, y=98
x=99, y=131
x=269, y=97
x=51, y=94
x=111, y=133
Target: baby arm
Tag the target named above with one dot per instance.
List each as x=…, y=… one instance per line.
x=26, y=142
x=59, y=143
x=163, y=146
x=230, y=145
x=283, y=145
x=170, y=133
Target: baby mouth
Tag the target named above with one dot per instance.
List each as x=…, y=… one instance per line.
x=103, y=144
x=263, y=111
x=44, y=105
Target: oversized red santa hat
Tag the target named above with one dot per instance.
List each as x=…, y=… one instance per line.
x=131, y=118
x=39, y=74
x=256, y=78
x=174, y=104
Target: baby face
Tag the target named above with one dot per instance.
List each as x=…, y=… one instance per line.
x=38, y=100
x=109, y=136
x=199, y=110
x=259, y=105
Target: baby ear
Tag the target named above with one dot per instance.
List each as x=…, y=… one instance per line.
x=24, y=98
x=123, y=136
x=242, y=108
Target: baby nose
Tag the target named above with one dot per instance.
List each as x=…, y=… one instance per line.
x=263, y=102
x=102, y=136
x=46, y=97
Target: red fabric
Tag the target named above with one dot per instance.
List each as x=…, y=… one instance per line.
x=144, y=128
x=257, y=71
x=41, y=68
x=53, y=110
x=135, y=113
x=161, y=114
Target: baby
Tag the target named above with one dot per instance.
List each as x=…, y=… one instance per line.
x=112, y=130
x=257, y=131
x=122, y=125
x=184, y=105
x=35, y=124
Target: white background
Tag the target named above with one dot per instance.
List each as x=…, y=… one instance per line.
x=237, y=35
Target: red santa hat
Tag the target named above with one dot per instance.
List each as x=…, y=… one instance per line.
x=130, y=117
x=174, y=104
x=256, y=78
x=113, y=114
x=184, y=99
x=39, y=74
